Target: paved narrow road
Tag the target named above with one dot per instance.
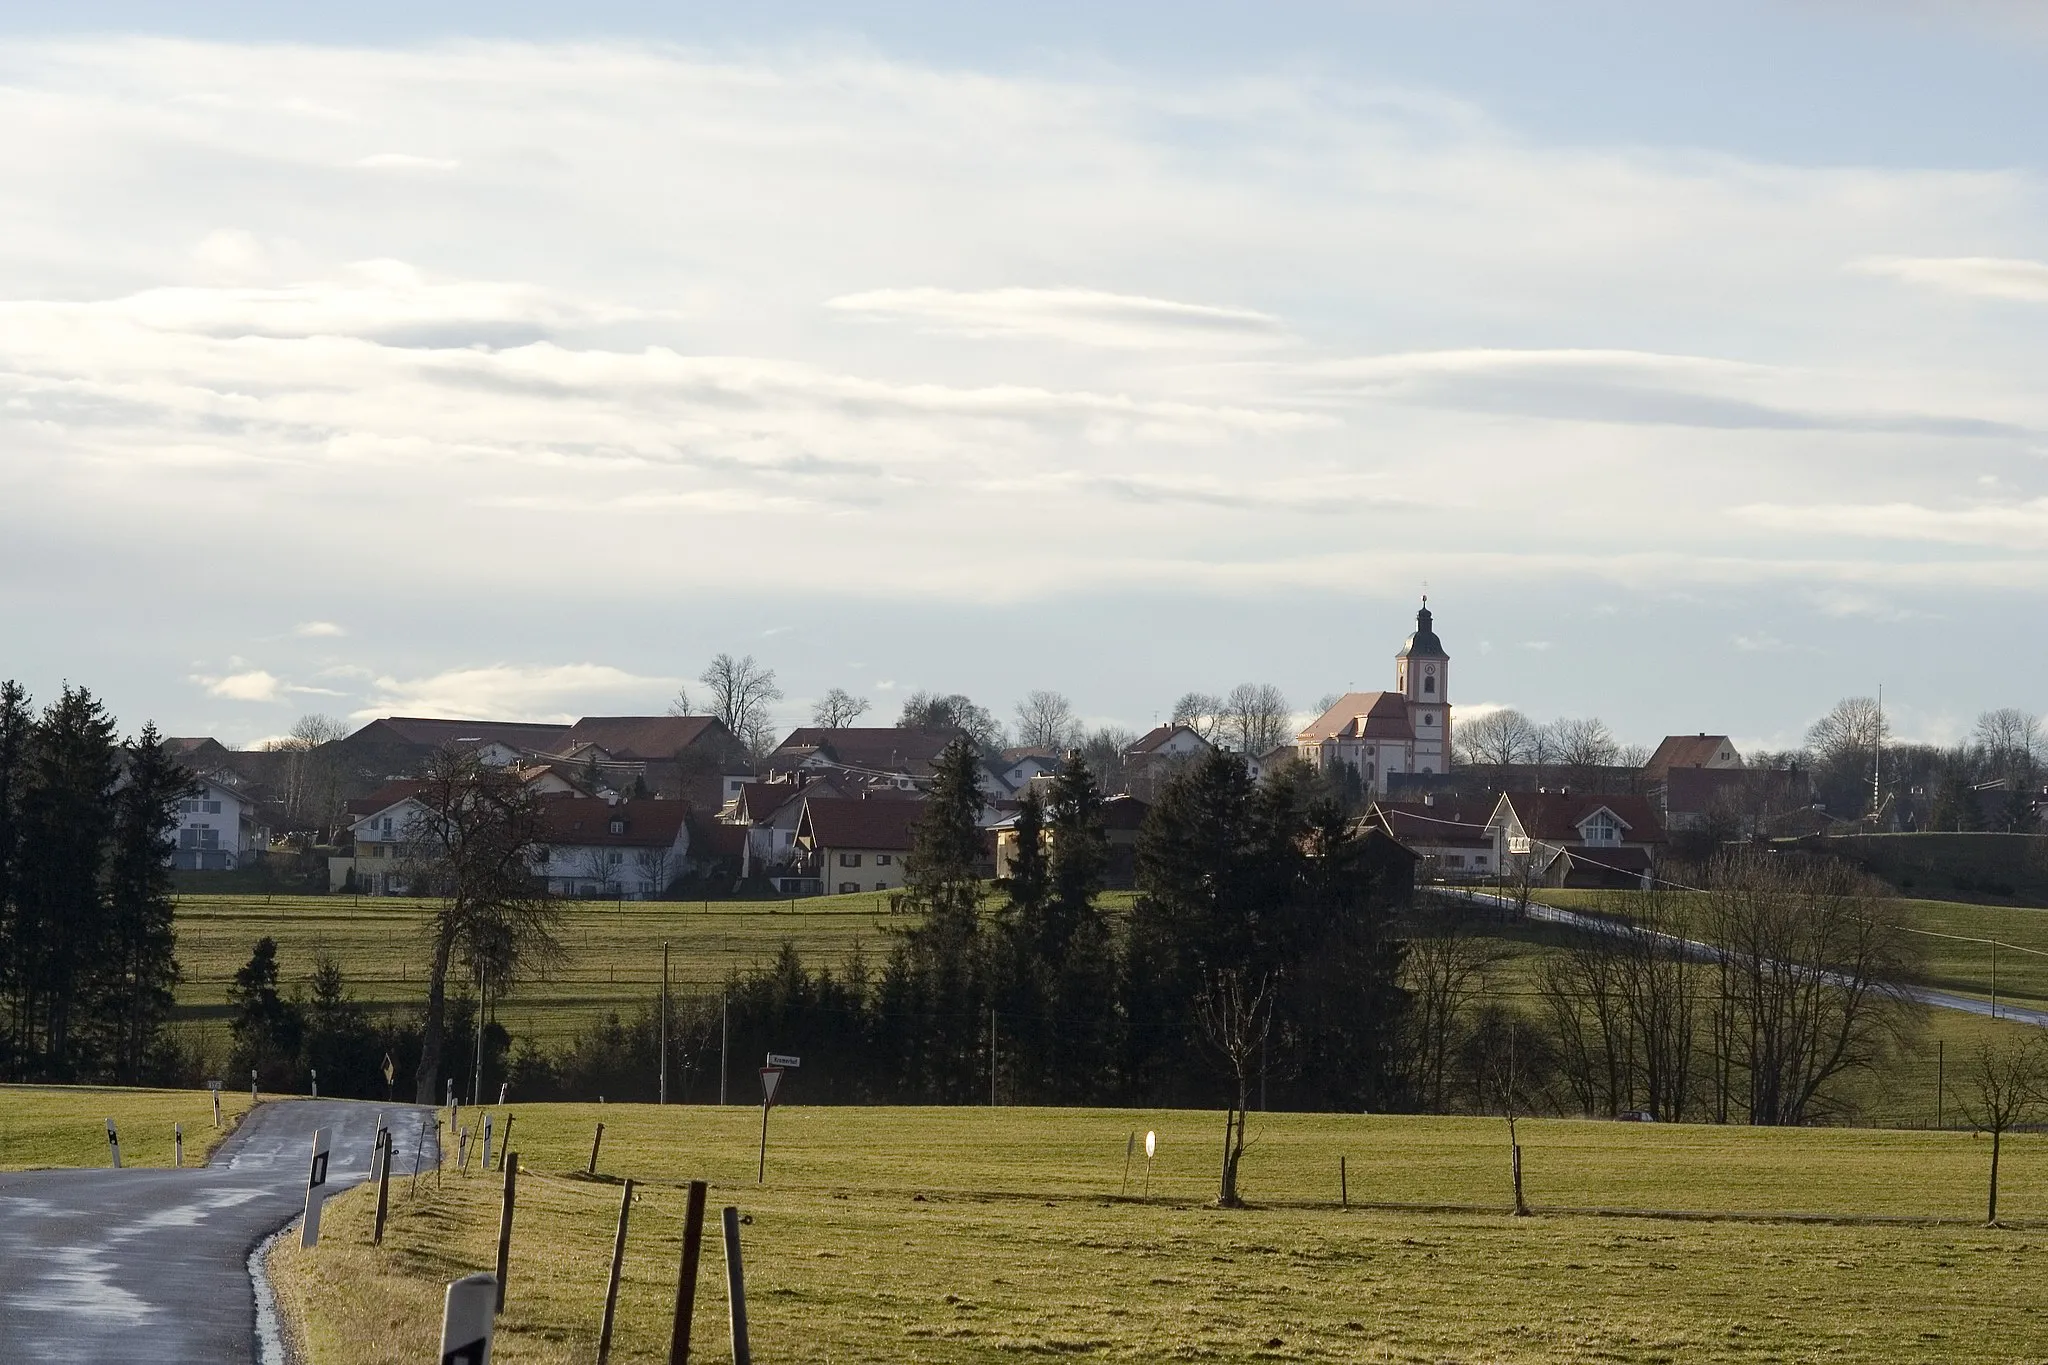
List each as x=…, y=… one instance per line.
x=102, y=1266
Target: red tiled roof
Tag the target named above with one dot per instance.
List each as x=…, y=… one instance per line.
x=1687, y=751
x=588, y=821
x=425, y=732
x=709, y=838
x=759, y=800
x=1413, y=821
x=1156, y=736
x=1554, y=817
x=643, y=737
x=1361, y=715
x=384, y=798
x=874, y=746
x=841, y=822
x=1124, y=812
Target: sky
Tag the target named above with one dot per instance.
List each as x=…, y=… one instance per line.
x=511, y=361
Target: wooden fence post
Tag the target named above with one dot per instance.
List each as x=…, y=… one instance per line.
x=505, y=1223
x=736, y=1288
x=508, y=1139
x=611, y=1288
x=596, y=1141
x=686, y=1280
x=1343, y=1183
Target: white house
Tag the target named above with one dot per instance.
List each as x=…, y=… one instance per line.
x=380, y=824
x=617, y=850
x=217, y=829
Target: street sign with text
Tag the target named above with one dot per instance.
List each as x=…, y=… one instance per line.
x=779, y=1060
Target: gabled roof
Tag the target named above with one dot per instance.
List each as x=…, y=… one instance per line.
x=644, y=737
x=711, y=839
x=758, y=801
x=1690, y=751
x=1555, y=816
x=201, y=747
x=383, y=799
x=586, y=821
x=1124, y=812
x=1361, y=715
x=842, y=822
x=1158, y=736
x=883, y=747
x=421, y=732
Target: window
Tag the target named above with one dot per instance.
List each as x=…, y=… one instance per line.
x=1479, y=860
x=1601, y=828
x=1454, y=860
x=881, y=886
x=1429, y=684
x=618, y=826
x=209, y=807
x=387, y=827
x=848, y=888
x=881, y=860
x=849, y=860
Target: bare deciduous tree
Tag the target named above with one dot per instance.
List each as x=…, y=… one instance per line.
x=1446, y=972
x=1852, y=730
x=2011, y=741
x=1255, y=718
x=1103, y=751
x=473, y=847
x=740, y=693
x=2004, y=1086
x=1586, y=743
x=951, y=711
x=1201, y=712
x=838, y=708
x=312, y=777
x=1235, y=1015
x=1495, y=739
x=1045, y=720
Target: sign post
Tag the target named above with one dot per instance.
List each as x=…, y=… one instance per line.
x=316, y=1191
x=469, y=1320
x=390, y=1077
x=771, y=1077
x=113, y=1145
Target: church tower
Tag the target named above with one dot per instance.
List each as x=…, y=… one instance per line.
x=1422, y=675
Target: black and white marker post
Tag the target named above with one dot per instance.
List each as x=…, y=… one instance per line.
x=214, y=1086
x=113, y=1146
x=771, y=1080
x=177, y=1144
x=487, y=1140
x=316, y=1190
x=468, y=1320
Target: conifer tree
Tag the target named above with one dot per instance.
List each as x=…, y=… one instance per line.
x=1026, y=888
x=16, y=724
x=138, y=966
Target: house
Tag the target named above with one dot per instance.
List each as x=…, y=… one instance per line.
x=612, y=849
x=1713, y=752
x=1272, y=761
x=1380, y=735
x=1122, y=817
x=219, y=828
x=878, y=754
x=769, y=813
x=846, y=844
x=1737, y=801
x=396, y=746
x=1453, y=841
x=1585, y=839
x=1152, y=760
x=381, y=825
x=1018, y=767
x=683, y=757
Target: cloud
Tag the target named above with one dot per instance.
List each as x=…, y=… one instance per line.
x=2016, y=525
x=516, y=692
x=1087, y=317
x=253, y=685
x=405, y=161
x=314, y=630
x=1760, y=643
x=1989, y=277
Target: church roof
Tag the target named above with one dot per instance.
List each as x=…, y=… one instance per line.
x=1423, y=644
x=1361, y=715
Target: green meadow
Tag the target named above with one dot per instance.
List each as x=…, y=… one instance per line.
x=1006, y=1234
x=67, y=1125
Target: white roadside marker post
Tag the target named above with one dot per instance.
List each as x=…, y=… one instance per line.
x=113, y=1145
x=316, y=1191
x=736, y=1289
x=252, y=1085
x=469, y=1320
x=488, y=1118
x=214, y=1086
x=178, y=1144
x=1151, y=1146
x=316, y=1084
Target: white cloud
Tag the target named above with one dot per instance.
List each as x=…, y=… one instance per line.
x=1990, y=277
x=316, y=630
x=1089, y=317
x=406, y=161
x=528, y=692
x=253, y=685
x=2019, y=525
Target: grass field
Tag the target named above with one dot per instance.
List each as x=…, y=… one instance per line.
x=912, y=1234
x=67, y=1125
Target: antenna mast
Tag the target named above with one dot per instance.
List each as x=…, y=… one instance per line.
x=1877, y=756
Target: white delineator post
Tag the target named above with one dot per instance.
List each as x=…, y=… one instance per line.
x=178, y=1144
x=316, y=1191
x=468, y=1320
x=113, y=1146
x=214, y=1086
x=487, y=1140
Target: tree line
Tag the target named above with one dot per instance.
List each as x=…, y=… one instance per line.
x=88, y=958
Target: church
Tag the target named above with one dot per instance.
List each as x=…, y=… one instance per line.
x=1384, y=735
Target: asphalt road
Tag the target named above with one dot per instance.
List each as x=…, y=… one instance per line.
x=105, y=1266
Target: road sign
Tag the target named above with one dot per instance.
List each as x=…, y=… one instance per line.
x=316, y=1190
x=777, y=1059
x=469, y=1320
x=771, y=1076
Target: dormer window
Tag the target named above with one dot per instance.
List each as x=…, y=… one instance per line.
x=1601, y=828
x=618, y=826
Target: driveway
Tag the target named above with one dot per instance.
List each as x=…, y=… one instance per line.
x=100, y=1266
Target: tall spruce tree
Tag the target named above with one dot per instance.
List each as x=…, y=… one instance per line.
x=1026, y=888
x=16, y=727
x=936, y=989
x=138, y=965
x=61, y=923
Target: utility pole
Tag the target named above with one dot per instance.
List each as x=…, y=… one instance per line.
x=664, y=1024
x=1877, y=760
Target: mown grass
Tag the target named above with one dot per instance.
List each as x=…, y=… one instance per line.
x=44, y=1126
x=913, y=1234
